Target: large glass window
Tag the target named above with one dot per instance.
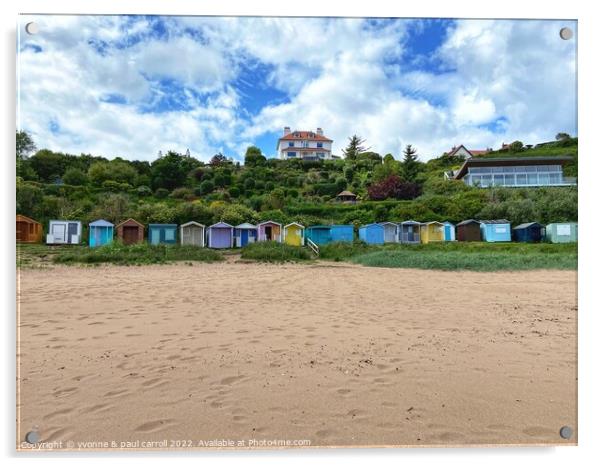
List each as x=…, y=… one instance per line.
x=320, y=144
x=509, y=180
x=498, y=180
x=291, y=154
x=521, y=179
x=544, y=178
x=532, y=178
x=291, y=144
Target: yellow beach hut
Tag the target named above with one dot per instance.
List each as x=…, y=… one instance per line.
x=431, y=232
x=294, y=234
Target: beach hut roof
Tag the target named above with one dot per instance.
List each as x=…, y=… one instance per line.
x=128, y=221
x=340, y=225
x=267, y=222
x=563, y=223
x=372, y=224
x=187, y=224
x=246, y=226
x=387, y=223
x=410, y=222
x=319, y=226
x=23, y=218
x=495, y=222
x=162, y=225
x=64, y=221
x=447, y=222
x=294, y=223
x=467, y=222
x=433, y=223
x=101, y=223
x=221, y=225
x=527, y=225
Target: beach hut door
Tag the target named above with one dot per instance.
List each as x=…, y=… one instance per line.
x=58, y=233
x=268, y=233
x=130, y=234
x=73, y=233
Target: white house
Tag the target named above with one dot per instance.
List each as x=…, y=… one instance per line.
x=306, y=145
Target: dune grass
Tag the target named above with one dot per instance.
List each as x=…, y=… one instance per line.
x=135, y=254
x=472, y=256
x=272, y=251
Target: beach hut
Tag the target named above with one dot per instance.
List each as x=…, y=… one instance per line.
x=496, y=231
x=373, y=233
x=162, y=233
x=269, y=231
x=341, y=232
x=431, y=232
x=130, y=231
x=409, y=232
x=294, y=234
x=220, y=235
x=469, y=230
x=244, y=234
x=449, y=231
x=64, y=232
x=28, y=230
x=192, y=234
x=100, y=232
x=319, y=234
x=565, y=232
x=529, y=232
x=391, y=234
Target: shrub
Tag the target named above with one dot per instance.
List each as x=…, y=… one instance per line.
x=272, y=251
x=161, y=193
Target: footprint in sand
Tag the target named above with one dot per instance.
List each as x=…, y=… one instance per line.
x=155, y=426
x=59, y=412
x=232, y=379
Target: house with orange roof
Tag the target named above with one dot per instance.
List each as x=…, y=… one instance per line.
x=306, y=145
x=462, y=151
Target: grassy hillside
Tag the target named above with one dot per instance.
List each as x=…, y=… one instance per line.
x=175, y=188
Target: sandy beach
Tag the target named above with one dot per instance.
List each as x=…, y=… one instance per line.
x=330, y=355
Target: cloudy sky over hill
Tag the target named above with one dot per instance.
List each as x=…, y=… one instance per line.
x=131, y=86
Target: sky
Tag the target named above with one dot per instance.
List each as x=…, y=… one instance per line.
x=131, y=86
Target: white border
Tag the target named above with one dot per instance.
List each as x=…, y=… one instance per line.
x=590, y=225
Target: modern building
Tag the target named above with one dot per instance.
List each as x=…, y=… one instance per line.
x=513, y=172
x=305, y=145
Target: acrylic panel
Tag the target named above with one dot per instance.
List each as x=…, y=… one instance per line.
x=318, y=337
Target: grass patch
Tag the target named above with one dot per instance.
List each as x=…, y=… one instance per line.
x=484, y=257
x=136, y=254
x=272, y=251
x=339, y=251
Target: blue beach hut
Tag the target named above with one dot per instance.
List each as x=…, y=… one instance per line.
x=341, y=232
x=162, y=233
x=100, y=232
x=496, y=231
x=373, y=233
x=529, y=232
x=244, y=234
x=319, y=234
x=449, y=231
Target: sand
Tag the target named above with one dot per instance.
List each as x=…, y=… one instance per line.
x=254, y=355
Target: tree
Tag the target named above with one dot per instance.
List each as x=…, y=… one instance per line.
x=170, y=171
x=117, y=170
x=563, y=136
x=206, y=187
x=355, y=147
x=25, y=145
x=48, y=165
x=393, y=187
x=75, y=177
x=516, y=146
x=254, y=157
x=410, y=165
x=219, y=159
x=387, y=168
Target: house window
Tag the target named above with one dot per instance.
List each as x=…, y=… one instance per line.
x=291, y=154
x=320, y=145
x=291, y=144
x=170, y=235
x=321, y=154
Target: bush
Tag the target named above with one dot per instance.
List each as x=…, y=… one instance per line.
x=206, y=187
x=137, y=254
x=143, y=191
x=272, y=251
x=161, y=193
x=75, y=177
x=182, y=193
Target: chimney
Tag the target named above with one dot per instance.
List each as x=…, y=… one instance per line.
x=319, y=132
x=287, y=130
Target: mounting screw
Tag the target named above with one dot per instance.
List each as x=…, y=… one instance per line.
x=566, y=33
x=566, y=432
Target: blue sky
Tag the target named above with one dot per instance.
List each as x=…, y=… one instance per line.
x=130, y=86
